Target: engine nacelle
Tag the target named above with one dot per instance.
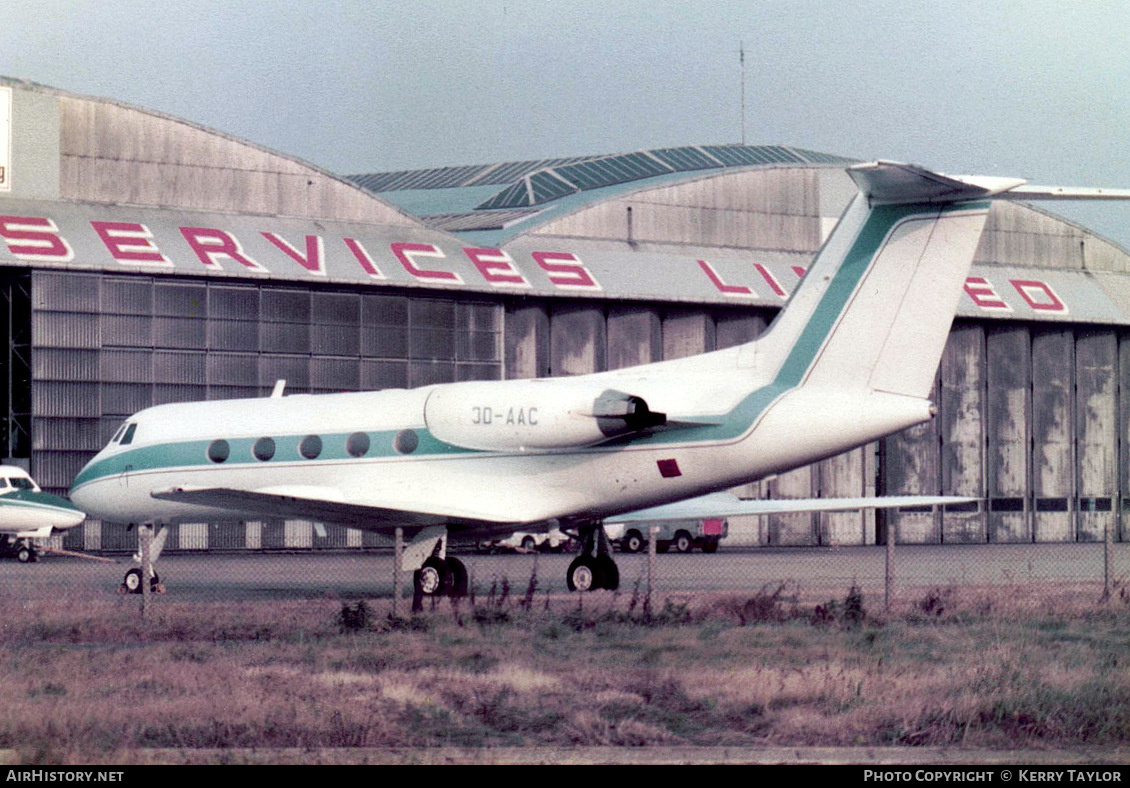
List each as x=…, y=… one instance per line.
x=533, y=415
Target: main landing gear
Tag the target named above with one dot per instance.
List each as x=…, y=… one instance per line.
x=593, y=568
x=441, y=577
x=21, y=549
x=131, y=583
x=437, y=574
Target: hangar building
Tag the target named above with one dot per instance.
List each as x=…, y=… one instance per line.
x=145, y=259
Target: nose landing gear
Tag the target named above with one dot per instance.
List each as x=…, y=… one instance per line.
x=21, y=549
x=132, y=582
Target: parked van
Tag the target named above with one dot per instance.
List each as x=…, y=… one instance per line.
x=683, y=535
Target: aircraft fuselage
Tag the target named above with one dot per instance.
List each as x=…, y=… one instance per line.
x=378, y=448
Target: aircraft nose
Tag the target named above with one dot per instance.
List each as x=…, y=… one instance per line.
x=66, y=514
x=79, y=498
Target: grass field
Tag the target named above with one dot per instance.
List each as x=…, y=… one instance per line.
x=90, y=681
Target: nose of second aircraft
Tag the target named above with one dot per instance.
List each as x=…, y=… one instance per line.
x=85, y=493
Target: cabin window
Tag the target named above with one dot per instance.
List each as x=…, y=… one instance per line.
x=127, y=439
x=218, y=450
x=357, y=444
x=406, y=441
x=264, y=449
x=310, y=447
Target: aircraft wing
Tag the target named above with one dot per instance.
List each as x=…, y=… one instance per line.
x=729, y=505
x=307, y=504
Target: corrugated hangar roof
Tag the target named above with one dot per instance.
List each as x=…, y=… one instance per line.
x=467, y=200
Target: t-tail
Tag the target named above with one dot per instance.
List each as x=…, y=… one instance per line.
x=854, y=353
x=875, y=308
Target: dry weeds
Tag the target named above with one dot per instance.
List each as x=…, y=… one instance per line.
x=89, y=681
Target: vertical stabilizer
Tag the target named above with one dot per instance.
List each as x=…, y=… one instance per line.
x=875, y=307
x=892, y=328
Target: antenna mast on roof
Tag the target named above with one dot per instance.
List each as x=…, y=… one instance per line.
x=741, y=62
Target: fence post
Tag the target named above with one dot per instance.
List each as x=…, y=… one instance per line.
x=397, y=562
x=652, y=534
x=1106, y=560
x=144, y=537
x=889, y=582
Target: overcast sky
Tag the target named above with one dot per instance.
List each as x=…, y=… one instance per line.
x=1037, y=89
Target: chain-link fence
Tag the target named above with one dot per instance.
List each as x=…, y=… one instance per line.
x=886, y=575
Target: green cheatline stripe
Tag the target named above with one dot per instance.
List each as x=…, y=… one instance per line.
x=799, y=360
x=195, y=453
x=875, y=231
x=37, y=500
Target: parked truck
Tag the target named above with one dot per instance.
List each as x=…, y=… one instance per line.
x=683, y=535
x=554, y=541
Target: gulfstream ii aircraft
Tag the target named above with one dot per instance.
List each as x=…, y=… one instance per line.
x=28, y=513
x=850, y=359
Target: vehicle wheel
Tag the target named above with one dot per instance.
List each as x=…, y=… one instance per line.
x=458, y=573
x=584, y=574
x=132, y=581
x=608, y=571
x=710, y=546
x=433, y=577
x=683, y=542
x=633, y=542
x=24, y=554
x=529, y=543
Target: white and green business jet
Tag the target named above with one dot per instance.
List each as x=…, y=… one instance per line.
x=851, y=358
x=28, y=513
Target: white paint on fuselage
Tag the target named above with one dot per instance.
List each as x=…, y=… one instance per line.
x=27, y=511
x=500, y=487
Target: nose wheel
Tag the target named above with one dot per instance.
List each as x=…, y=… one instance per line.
x=131, y=584
x=594, y=568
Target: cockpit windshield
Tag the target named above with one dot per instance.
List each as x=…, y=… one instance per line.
x=20, y=483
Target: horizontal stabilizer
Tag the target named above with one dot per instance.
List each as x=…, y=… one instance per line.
x=889, y=182
x=729, y=505
x=1027, y=192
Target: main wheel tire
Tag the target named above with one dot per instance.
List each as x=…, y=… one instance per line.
x=459, y=577
x=433, y=577
x=131, y=584
x=529, y=543
x=683, y=542
x=609, y=572
x=584, y=574
x=633, y=542
x=24, y=554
